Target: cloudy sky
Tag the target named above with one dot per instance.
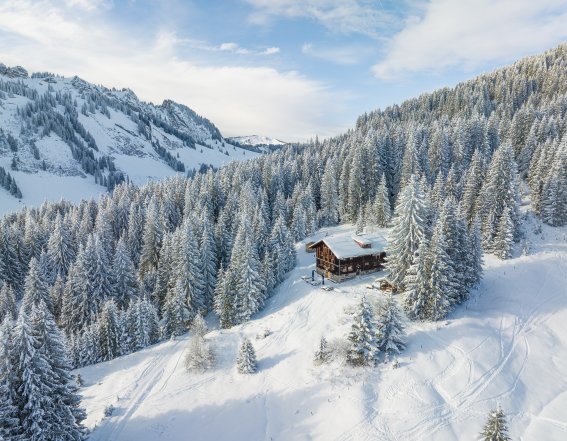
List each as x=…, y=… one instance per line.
x=291, y=69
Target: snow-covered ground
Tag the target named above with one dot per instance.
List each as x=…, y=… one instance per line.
x=507, y=344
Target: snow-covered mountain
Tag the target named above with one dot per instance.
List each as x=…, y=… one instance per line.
x=256, y=141
x=507, y=344
x=64, y=137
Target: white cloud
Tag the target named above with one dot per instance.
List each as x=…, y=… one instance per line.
x=239, y=100
x=345, y=55
x=470, y=33
x=365, y=17
x=271, y=51
x=87, y=5
x=237, y=49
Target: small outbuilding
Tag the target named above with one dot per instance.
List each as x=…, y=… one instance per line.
x=345, y=256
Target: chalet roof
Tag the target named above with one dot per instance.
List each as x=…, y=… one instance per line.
x=347, y=245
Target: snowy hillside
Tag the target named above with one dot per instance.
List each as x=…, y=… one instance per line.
x=64, y=137
x=506, y=344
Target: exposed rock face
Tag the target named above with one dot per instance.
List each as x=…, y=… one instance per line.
x=13, y=72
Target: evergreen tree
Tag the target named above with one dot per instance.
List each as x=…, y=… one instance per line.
x=188, y=271
x=443, y=290
x=10, y=270
x=200, y=356
x=504, y=240
x=141, y=324
x=381, y=211
x=499, y=191
x=109, y=332
x=152, y=241
x=198, y=326
x=390, y=330
x=125, y=283
x=474, y=256
x=322, y=354
x=249, y=289
x=60, y=249
x=176, y=315
x=246, y=361
x=35, y=289
x=362, y=337
x=329, y=212
x=495, y=428
x=209, y=263
x=7, y=303
x=96, y=273
x=224, y=298
x=56, y=293
x=416, y=295
x=410, y=227
x=48, y=405
x=9, y=418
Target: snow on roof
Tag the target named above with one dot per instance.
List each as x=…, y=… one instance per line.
x=344, y=246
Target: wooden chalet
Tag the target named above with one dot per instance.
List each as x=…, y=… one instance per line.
x=344, y=256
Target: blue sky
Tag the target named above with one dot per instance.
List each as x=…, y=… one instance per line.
x=291, y=69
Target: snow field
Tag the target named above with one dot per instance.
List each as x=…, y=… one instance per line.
x=506, y=344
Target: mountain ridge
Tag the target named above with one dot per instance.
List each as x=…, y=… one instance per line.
x=55, y=130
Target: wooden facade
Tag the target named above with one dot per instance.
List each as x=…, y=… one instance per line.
x=329, y=265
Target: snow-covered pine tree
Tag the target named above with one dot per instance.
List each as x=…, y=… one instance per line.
x=299, y=222
x=416, y=282
x=246, y=361
x=455, y=237
x=60, y=249
x=200, y=356
x=504, y=239
x=410, y=227
x=125, y=283
x=96, y=275
x=381, y=211
x=474, y=179
x=56, y=293
x=209, y=263
x=188, y=270
x=442, y=287
x=7, y=303
x=390, y=330
x=362, y=337
x=329, y=212
x=224, y=298
x=88, y=345
x=48, y=404
x=499, y=191
x=495, y=428
x=151, y=240
x=142, y=326
x=249, y=288
x=474, y=256
x=198, y=326
x=109, y=331
x=9, y=419
x=10, y=267
x=322, y=354
x=35, y=289
x=176, y=315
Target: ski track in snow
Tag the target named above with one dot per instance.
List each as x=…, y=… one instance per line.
x=145, y=384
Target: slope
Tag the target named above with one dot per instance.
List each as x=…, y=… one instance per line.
x=64, y=137
x=508, y=343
